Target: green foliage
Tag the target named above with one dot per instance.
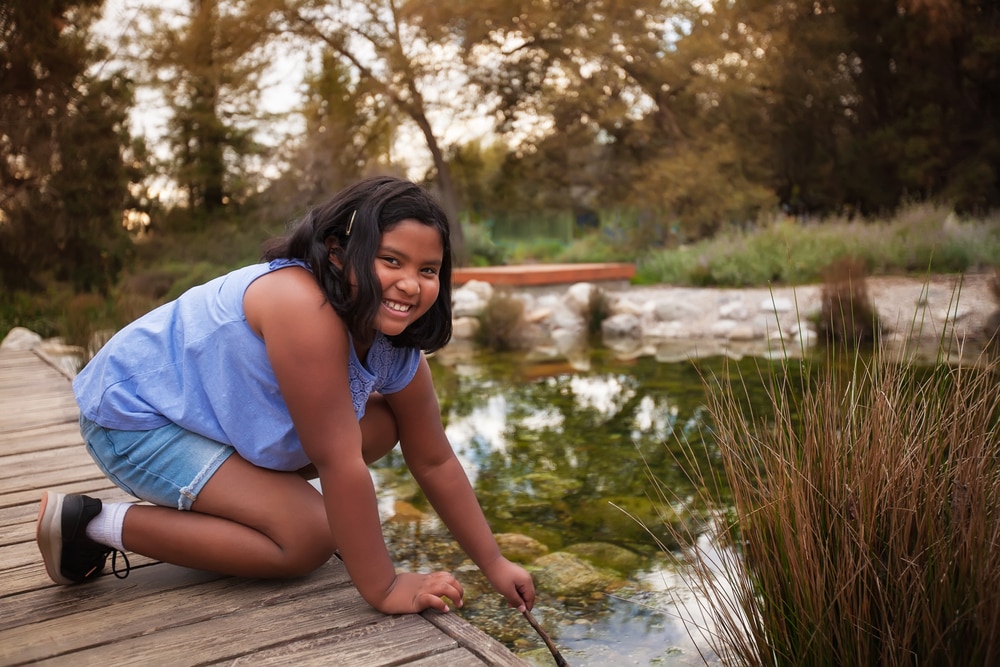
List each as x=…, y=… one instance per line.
x=63, y=136
x=60, y=311
x=536, y=251
x=481, y=249
x=34, y=310
x=923, y=239
x=596, y=247
x=209, y=69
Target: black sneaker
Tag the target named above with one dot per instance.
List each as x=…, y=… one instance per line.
x=70, y=556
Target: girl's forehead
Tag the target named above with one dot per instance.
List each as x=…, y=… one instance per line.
x=413, y=236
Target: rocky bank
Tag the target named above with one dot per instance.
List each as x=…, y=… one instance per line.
x=676, y=323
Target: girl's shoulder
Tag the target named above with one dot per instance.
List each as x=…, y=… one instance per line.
x=288, y=297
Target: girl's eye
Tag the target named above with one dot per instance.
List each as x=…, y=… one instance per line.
x=431, y=271
x=390, y=260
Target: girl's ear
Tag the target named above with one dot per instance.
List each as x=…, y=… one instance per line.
x=333, y=252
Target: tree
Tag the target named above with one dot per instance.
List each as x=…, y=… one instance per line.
x=346, y=137
x=874, y=104
x=63, y=135
x=402, y=63
x=209, y=64
x=628, y=98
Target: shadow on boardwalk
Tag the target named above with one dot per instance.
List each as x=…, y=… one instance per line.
x=167, y=615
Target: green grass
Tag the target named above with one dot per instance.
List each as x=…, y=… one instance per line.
x=922, y=239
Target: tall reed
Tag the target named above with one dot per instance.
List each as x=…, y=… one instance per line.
x=861, y=524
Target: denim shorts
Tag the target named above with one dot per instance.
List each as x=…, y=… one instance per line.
x=167, y=466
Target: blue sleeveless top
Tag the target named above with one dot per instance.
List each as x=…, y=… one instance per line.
x=197, y=363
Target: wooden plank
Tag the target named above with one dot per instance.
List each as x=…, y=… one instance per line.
x=459, y=657
x=485, y=647
x=95, y=483
x=393, y=640
x=26, y=555
x=30, y=463
x=147, y=627
x=164, y=614
x=30, y=489
x=53, y=602
x=46, y=436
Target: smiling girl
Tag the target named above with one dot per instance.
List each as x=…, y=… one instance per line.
x=216, y=408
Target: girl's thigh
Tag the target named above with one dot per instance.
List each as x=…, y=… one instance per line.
x=282, y=505
x=166, y=466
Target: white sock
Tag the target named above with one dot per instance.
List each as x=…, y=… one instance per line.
x=106, y=527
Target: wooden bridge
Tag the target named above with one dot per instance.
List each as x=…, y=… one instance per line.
x=167, y=615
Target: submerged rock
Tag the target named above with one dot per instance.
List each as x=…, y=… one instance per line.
x=564, y=575
x=520, y=548
x=607, y=555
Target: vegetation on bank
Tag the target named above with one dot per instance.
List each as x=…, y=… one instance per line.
x=921, y=240
x=860, y=517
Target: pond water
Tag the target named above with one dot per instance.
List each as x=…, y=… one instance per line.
x=553, y=451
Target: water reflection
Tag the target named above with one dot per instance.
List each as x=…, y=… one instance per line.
x=557, y=453
x=549, y=447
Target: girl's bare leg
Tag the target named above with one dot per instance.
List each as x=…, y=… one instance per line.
x=250, y=521
x=247, y=521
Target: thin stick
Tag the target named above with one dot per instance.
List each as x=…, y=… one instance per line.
x=560, y=662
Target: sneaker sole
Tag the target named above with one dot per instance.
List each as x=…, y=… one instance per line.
x=48, y=534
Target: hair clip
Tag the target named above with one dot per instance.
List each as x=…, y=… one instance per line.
x=351, y=223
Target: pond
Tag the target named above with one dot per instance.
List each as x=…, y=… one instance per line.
x=556, y=452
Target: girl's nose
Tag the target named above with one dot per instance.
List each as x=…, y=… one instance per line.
x=408, y=284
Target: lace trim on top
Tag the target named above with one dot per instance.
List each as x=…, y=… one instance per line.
x=363, y=380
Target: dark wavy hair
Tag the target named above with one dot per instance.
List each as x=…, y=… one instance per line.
x=377, y=205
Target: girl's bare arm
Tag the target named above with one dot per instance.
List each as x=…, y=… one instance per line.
x=433, y=463
x=307, y=345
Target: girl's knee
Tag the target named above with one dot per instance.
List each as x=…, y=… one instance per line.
x=302, y=559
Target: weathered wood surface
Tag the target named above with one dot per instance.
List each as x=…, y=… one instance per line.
x=167, y=615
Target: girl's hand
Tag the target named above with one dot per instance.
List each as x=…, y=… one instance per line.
x=412, y=593
x=513, y=582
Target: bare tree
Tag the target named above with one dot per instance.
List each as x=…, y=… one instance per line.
x=395, y=58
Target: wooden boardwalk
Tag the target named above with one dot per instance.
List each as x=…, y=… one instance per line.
x=167, y=615
x=540, y=275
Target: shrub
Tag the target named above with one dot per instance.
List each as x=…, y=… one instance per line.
x=501, y=323
x=846, y=313
x=598, y=310
x=480, y=248
x=864, y=520
x=992, y=326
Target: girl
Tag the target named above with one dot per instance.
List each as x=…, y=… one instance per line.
x=215, y=407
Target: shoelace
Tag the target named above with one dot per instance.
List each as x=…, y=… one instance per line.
x=121, y=574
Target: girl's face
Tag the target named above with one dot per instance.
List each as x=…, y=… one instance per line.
x=407, y=264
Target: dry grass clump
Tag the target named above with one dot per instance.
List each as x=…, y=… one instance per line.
x=598, y=310
x=501, y=324
x=992, y=327
x=865, y=514
x=847, y=314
